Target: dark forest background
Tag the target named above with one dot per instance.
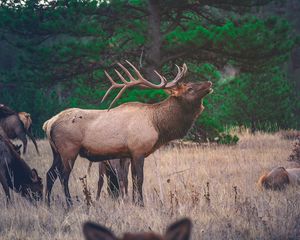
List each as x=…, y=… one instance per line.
x=53, y=55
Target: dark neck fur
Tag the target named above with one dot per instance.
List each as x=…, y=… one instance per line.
x=17, y=166
x=173, y=118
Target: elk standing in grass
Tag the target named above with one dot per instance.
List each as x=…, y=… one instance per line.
x=180, y=230
x=16, y=174
x=16, y=125
x=133, y=130
x=278, y=178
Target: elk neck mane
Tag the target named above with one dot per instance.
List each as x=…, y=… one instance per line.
x=173, y=118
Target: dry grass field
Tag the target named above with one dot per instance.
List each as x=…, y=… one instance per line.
x=214, y=186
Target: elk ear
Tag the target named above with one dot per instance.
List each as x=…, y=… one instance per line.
x=34, y=175
x=180, y=230
x=93, y=231
x=174, y=91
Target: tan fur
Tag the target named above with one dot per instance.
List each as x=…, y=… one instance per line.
x=26, y=119
x=132, y=130
x=276, y=179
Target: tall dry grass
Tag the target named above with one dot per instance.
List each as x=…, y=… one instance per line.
x=214, y=186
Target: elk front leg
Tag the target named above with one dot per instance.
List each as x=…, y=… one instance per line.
x=52, y=175
x=102, y=170
x=3, y=181
x=137, y=170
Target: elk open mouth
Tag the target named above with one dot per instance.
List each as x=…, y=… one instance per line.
x=209, y=88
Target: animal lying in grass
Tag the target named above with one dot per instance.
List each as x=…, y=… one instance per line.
x=116, y=172
x=278, y=178
x=16, y=125
x=16, y=174
x=180, y=230
x=131, y=130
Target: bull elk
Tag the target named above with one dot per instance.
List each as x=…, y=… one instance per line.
x=133, y=130
x=180, y=230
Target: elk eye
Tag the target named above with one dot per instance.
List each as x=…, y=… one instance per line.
x=190, y=89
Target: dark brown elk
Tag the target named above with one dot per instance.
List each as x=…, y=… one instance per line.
x=16, y=125
x=180, y=230
x=116, y=172
x=133, y=130
x=16, y=174
x=279, y=177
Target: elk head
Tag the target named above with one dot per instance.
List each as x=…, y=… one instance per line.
x=34, y=189
x=190, y=93
x=180, y=230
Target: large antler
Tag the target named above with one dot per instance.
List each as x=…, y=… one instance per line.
x=141, y=81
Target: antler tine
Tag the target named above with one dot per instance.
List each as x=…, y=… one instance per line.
x=118, y=96
x=121, y=77
x=127, y=72
x=184, y=68
x=135, y=70
x=162, y=78
x=106, y=94
x=141, y=79
x=179, y=76
x=113, y=86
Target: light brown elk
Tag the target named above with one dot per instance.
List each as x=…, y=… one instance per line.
x=278, y=178
x=133, y=130
x=180, y=230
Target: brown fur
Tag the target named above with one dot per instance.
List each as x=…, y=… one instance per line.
x=25, y=119
x=16, y=125
x=116, y=172
x=133, y=130
x=16, y=174
x=180, y=230
x=277, y=179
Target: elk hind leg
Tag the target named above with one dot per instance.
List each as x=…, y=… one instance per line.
x=52, y=174
x=3, y=181
x=101, y=179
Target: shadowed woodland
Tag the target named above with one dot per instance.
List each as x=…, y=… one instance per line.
x=53, y=54
x=60, y=54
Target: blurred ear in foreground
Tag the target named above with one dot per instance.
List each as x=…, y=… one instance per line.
x=180, y=230
x=93, y=231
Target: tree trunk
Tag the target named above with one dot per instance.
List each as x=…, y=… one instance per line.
x=153, y=49
x=253, y=126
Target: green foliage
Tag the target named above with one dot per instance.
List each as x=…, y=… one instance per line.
x=228, y=139
x=257, y=100
x=62, y=48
